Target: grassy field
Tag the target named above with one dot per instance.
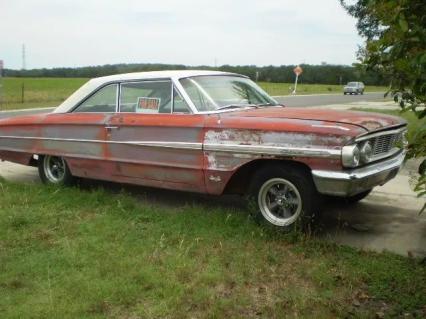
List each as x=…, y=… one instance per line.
x=38, y=92
x=91, y=253
x=48, y=92
x=277, y=89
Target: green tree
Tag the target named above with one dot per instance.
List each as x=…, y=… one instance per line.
x=395, y=33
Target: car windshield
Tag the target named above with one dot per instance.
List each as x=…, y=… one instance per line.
x=351, y=84
x=212, y=93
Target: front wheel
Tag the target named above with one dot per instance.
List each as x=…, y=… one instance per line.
x=54, y=170
x=284, y=196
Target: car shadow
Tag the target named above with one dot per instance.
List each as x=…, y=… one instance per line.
x=372, y=224
x=166, y=198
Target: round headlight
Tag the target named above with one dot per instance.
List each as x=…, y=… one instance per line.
x=350, y=155
x=366, y=152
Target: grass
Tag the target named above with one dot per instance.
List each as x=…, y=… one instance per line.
x=38, y=92
x=50, y=92
x=72, y=253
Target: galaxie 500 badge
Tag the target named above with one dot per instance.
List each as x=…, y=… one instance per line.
x=148, y=104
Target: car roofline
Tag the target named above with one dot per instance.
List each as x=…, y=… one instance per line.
x=95, y=83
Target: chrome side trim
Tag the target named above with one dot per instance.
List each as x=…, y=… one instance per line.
x=175, y=145
x=228, y=148
x=273, y=150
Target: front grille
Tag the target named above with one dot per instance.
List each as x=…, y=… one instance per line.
x=384, y=145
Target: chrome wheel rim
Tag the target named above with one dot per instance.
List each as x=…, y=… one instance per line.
x=54, y=168
x=280, y=202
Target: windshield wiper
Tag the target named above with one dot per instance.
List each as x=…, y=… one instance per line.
x=235, y=106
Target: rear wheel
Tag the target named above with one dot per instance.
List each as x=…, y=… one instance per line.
x=284, y=196
x=54, y=170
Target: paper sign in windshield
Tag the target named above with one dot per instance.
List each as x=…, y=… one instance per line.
x=148, y=104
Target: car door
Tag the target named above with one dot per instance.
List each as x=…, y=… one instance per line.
x=154, y=139
x=80, y=136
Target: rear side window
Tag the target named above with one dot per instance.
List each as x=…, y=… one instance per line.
x=146, y=97
x=104, y=101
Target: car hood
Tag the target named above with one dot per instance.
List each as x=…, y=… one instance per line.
x=366, y=120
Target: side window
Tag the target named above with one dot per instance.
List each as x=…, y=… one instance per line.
x=104, y=100
x=146, y=97
x=179, y=104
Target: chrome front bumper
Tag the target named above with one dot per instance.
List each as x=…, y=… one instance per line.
x=352, y=182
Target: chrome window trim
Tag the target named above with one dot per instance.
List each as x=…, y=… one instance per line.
x=118, y=98
x=73, y=110
x=180, y=95
x=185, y=96
x=145, y=81
x=172, y=100
x=196, y=111
x=173, y=86
x=177, y=85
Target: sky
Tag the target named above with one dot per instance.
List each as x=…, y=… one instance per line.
x=192, y=32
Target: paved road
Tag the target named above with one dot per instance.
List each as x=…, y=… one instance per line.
x=327, y=99
x=291, y=101
x=5, y=114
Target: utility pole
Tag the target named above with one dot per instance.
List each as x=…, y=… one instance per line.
x=24, y=63
x=1, y=84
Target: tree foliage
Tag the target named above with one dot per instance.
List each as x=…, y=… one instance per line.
x=395, y=33
x=318, y=74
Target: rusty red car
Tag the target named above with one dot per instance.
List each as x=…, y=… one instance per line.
x=209, y=132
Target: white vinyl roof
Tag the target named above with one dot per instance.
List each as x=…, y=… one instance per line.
x=95, y=83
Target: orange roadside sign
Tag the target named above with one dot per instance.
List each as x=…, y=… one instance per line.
x=297, y=70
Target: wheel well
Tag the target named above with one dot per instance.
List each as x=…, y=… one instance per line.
x=240, y=181
x=34, y=160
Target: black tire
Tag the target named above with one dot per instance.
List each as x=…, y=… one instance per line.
x=54, y=170
x=299, y=185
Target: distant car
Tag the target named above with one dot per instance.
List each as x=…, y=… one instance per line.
x=354, y=88
x=209, y=132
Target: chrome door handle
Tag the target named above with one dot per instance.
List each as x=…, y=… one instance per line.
x=109, y=128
